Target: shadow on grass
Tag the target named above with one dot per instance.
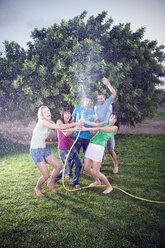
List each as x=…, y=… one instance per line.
x=78, y=207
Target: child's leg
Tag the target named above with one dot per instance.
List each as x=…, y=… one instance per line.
x=75, y=158
x=110, y=148
x=45, y=175
x=52, y=160
x=114, y=158
x=63, y=154
x=102, y=177
x=87, y=167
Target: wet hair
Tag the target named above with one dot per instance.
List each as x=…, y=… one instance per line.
x=100, y=93
x=40, y=112
x=117, y=119
x=65, y=109
x=87, y=97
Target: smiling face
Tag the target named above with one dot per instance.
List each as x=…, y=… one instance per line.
x=112, y=119
x=67, y=116
x=100, y=99
x=87, y=103
x=46, y=114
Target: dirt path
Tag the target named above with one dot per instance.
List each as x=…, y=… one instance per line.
x=18, y=133
x=153, y=126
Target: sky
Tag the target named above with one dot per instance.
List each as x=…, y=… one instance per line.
x=18, y=18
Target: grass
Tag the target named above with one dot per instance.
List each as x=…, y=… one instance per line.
x=85, y=218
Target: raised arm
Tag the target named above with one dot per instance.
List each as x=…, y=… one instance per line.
x=112, y=90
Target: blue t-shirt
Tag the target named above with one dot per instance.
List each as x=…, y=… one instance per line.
x=84, y=114
x=104, y=110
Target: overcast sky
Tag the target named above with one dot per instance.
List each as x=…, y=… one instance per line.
x=18, y=18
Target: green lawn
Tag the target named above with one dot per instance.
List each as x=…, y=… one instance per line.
x=85, y=218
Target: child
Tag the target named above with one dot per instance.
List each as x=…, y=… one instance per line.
x=65, y=142
x=95, y=150
x=38, y=152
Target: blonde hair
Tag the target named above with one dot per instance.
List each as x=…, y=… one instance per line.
x=40, y=112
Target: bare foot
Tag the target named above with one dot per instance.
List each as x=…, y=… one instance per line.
x=115, y=170
x=51, y=186
x=38, y=192
x=95, y=183
x=108, y=190
x=77, y=186
x=67, y=177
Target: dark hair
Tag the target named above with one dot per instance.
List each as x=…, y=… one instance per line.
x=100, y=93
x=65, y=109
x=117, y=117
x=88, y=97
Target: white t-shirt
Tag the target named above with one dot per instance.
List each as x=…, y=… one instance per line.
x=40, y=134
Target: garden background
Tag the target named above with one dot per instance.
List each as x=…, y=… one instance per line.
x=64, y=63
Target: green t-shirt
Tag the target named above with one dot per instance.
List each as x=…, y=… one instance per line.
x=101, y=138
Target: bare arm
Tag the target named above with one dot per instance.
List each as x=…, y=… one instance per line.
x=106, y=129
x=95, y=124
x=82, y=129
x=59, y=122
x=73, y=119
x=112, y=90
x=52, y=125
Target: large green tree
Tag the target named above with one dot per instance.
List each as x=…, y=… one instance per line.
x=67, y=61
x=10, y=68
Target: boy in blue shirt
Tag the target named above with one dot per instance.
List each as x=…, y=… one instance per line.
x=85, y=113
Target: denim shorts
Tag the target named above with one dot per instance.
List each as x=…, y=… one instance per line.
x=39, y=154
x=111, y=143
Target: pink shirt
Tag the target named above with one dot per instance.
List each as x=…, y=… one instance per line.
x=64, y=142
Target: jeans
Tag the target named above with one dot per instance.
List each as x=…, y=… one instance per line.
x=82, y=143
x=111, y=143
x=73, y=156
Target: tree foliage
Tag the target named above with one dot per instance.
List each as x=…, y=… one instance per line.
x=67, y=61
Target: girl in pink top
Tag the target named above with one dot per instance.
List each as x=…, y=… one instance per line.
x=65, y=141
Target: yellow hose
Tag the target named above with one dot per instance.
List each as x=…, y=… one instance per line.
x=85, y=187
